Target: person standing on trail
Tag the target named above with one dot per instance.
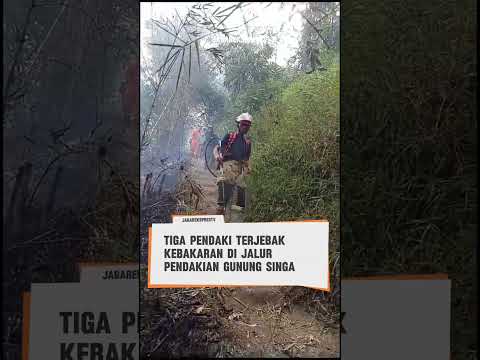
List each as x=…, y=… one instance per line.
x=201, y=142
x=233, y=155
x=195, y=143
x=210, y=135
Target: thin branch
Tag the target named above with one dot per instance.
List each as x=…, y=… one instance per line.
x=174, y=57
x=40, y=181
x=160, y=25
x=73, y=7
x=189, y=61
x=163, y=111
x=166, y=61
x=180, y=71
x=18, y=52
x=42, y=44
x=166, y=45
x=226, y=17
x=160, y=81
x=317, y=31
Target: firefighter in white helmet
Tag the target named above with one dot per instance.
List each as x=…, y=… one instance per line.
x=233, y=155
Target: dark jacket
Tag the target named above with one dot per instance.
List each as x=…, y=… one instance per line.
x=235, y=146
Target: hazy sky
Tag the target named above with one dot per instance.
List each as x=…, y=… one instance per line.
x=274, y=16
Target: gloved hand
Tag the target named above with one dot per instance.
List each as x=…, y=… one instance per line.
x=219, y=159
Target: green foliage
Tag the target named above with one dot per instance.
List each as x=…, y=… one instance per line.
x=320, y=34
x=251, y=81
x=210, y=96
x=412, y=142
x=296, y=153
x=247, y=65
x=250, y=101
x=295, y=160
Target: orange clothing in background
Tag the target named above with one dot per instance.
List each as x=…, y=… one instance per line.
x=195, y=142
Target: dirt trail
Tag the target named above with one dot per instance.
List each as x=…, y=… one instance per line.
x=262, y=321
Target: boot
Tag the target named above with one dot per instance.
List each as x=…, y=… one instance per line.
x=241, y=197
x=221, y=199
x=225, y=191
x=221, y=192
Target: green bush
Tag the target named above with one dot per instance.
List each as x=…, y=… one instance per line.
x=295, y=159
x=251, y=100
x=296, y=162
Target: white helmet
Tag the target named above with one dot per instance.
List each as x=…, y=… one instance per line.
x=244, y=117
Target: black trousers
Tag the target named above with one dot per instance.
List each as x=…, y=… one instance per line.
x=225, y=192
